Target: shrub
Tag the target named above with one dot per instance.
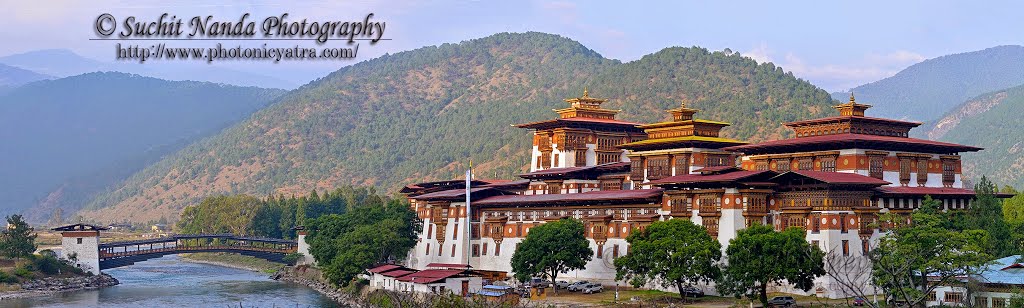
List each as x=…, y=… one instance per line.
x=23, y=271
x=7, y=278
x=47, y=264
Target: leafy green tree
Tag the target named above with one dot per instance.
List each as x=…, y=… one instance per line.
x=552, y=248
x=675, y=252
x=760, y=256
x=986, y=213
x=345, y=245
x=923, y=248
x=17, y=240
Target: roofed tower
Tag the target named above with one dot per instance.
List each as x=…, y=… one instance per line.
x=679, y=146
x=586, y=107
x=852, y=119
x=584, y=134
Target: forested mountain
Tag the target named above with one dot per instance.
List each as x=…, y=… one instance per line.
x=927, y=90
x=12, y=76
x=422, y=114
x=67, y=139
x=65, y=63
x=991, y=121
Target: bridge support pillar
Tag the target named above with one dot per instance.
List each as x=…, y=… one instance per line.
x=81, y=245
x=303, y=248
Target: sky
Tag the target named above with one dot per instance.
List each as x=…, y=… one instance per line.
x=835, y=45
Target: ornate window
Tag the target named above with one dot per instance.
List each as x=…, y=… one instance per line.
x=717, y=160
x=782, y=165
x=682, y=164
x=948, y=173
x=554, y=188
x=816, y=223
x=636, y=168
x=905, y=166
x=805, y=164
x=828, y=164
x=581, y=157
x=875, y=166
x=658, y=168
x=922, y=171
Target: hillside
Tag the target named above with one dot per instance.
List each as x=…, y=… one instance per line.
x=991, y=121
x=926, y=90
x=66, y=139
x=422, y=114
x=12, y=76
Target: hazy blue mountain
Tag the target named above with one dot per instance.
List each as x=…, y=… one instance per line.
x=64, y=63
x=95, y=129
x=927, y=90
x=11, y=76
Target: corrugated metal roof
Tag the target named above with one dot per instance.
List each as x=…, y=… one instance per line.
x=1008, y=270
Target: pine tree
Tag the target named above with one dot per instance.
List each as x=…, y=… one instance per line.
x=17, y=241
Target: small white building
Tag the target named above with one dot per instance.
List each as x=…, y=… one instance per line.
x=998, y=282
x=458, y=280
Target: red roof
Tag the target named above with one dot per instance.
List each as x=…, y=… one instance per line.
x=854, y=118
x=715, y=169
x=582, y=122
x=430, y=276
x=448, y=265
x=934, y=191
x=398, y=273
x=710, y=178
x=383, y=268
x=847, y=140
x=592, y=196
x=560, y=172
x=836, y=177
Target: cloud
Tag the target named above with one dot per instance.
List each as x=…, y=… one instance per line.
x=760, y=53
x=838, y=77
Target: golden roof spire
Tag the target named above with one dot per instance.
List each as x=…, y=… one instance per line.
x=586, y=92
x=852, y=101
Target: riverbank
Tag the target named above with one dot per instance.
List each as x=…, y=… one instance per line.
x=235, y=261
x=52, y=285
x=313, y=279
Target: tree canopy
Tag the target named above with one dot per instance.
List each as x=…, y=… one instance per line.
x=759, y=256
x=552, y=248
x=345, y=245
x=675, y=253
x=923, y=247
x=18, y=240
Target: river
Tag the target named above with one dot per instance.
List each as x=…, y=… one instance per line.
x=171, y=282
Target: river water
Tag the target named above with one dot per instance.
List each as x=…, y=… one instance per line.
x=171, y=282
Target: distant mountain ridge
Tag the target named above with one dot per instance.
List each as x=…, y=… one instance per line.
x=423, y=114
x=65, y=63
x=11, y=76
x=68, y=138
x=926, y=90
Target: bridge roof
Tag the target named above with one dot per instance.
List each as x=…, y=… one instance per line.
x=79, y=227
x=192, y=236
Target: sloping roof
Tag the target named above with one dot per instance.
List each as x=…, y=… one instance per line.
x=1008, y=270
x=449, y=265
x=932, y=191
x=854, y=118
x=80, y=227
x=398, y=273
x=430, y=276
x=451, y=193
x=851, y=140
x=694, y=141
x=835, y=177
x=639, y=195
x=575, y=171
x=582, y=122
x=384, y=268
x=708, y=178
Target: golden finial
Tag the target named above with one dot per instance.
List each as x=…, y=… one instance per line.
x=851, y=98
x=683, y=104
x=586, y=93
